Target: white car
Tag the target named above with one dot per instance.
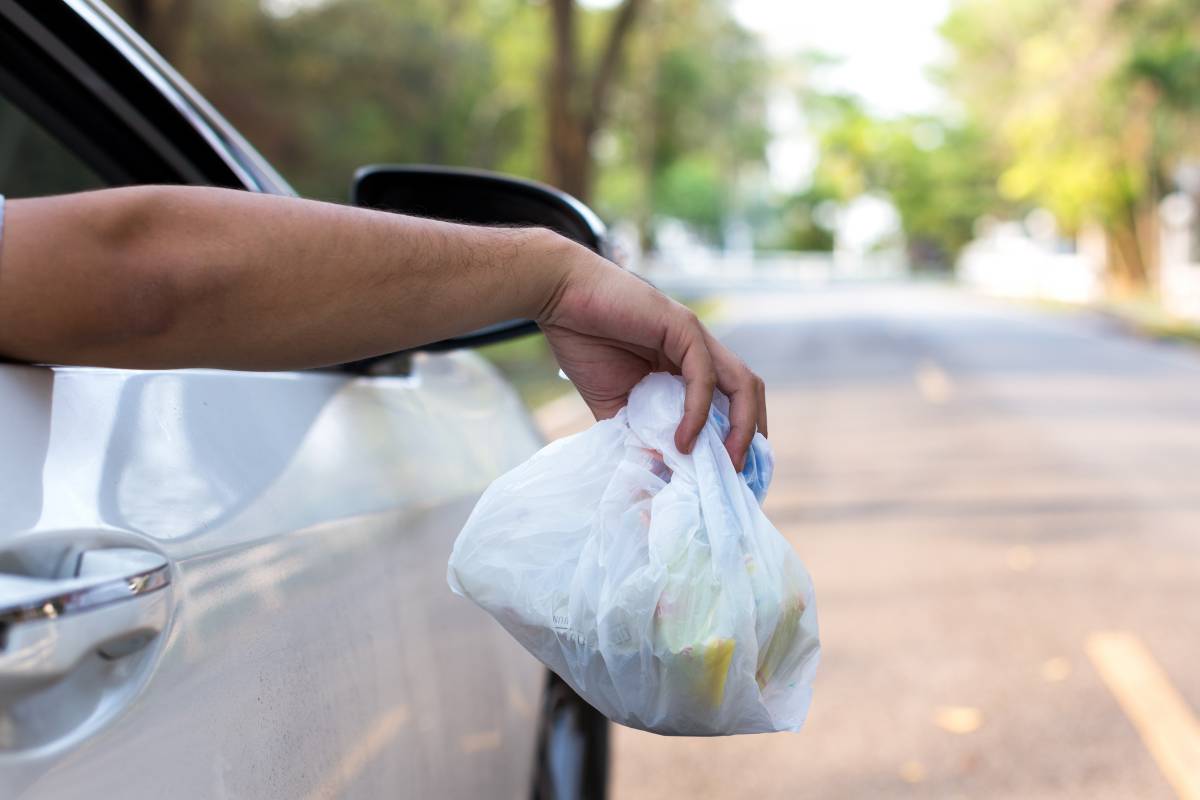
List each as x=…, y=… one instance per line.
x=232, y=585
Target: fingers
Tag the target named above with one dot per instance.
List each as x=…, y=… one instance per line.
x=699, y=379
x=707, y=364
x=747, y=401
x=666, y=335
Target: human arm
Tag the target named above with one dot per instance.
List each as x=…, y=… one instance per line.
x=169, y=277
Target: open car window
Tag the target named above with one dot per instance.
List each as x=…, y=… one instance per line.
x=66, y=67
x=34, y=163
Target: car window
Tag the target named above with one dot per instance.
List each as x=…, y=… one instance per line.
x=32, y=162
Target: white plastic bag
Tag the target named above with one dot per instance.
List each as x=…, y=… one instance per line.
x=649, y=580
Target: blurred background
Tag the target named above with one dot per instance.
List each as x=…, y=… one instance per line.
x=959, y=240
x=736, y=127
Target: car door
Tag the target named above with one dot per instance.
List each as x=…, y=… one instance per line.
x=224, y=584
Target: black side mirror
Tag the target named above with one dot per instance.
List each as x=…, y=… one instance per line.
x=476, y=197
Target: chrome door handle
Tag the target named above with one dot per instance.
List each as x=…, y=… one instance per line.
x=112, y=606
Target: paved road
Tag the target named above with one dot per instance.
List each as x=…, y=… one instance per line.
x=983, y=494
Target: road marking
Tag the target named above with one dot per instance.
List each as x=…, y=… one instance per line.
x=958, y=719
x=933, y=383
x=1161, y=716
x=381, y=733
x=912, y=772
x=1019, y=558
x=1056, y=669
x=479, y=742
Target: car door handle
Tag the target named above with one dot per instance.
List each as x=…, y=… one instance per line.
x=112, y=606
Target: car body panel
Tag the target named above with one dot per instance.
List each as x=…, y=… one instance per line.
x=313, y=648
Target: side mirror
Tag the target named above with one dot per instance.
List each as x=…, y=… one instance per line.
x=476, y=197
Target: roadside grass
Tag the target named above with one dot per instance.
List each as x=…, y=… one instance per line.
x=528, y=363
x=1143, y=316
x=1149, y=318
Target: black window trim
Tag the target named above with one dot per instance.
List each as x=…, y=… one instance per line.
x=83, y=75
x=256, y=171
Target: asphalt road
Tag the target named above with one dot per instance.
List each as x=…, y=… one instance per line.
x=1000, y=508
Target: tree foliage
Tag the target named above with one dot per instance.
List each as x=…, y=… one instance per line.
x=657, y=108
x=577, y=99
x=1086, y=109
x=691, y=120
x=648, y=108
x=938, y=174
x=1091, y=104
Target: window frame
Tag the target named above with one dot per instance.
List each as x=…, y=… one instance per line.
x=81, y=74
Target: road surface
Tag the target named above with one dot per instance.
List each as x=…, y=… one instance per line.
x=1000, y=508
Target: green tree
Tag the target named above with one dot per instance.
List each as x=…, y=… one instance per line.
x=1090, y=103
x=689, y=122
x=939, y=176
x=797, y=222
x=346, y=82
x=577, y=98
x=650, y=108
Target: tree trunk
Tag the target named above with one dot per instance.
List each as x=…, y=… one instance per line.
x=1133, y=251
x=650, y=125
x=1119, y=274
x=1149, y=236
x=575, y=112
x=1134, y=236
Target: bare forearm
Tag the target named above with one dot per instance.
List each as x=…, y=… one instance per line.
x=171, y=277
x=163, y=277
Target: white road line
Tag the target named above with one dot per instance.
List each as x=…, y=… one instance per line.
x=1161, y=716
x=479, y=742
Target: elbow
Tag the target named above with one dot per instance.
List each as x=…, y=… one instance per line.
x=145, y=298
x=93, y=279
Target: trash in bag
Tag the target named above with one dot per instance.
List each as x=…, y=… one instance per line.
x=649, y=580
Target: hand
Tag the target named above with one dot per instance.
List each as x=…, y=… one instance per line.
x=608, y=329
